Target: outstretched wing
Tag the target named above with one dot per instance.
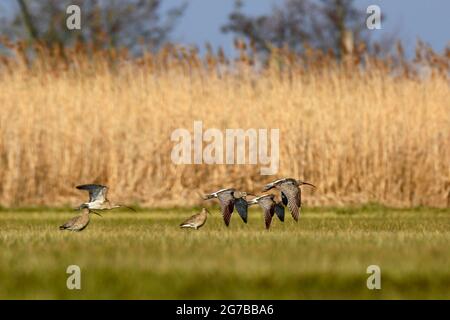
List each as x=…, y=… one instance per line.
x=227, y=205
x=279, y=211
x=274, y=184
x=268, y=207
x=291, y=192
x=97, y=192
x=242, y=208
x=269, y=186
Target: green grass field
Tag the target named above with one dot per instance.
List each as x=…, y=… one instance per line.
x=145, y=255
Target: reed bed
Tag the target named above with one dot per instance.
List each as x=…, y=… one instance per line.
x=363, y=129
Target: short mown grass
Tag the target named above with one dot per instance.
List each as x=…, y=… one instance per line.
x=145, y=255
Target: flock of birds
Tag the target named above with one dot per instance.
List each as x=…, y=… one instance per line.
x=229, y=199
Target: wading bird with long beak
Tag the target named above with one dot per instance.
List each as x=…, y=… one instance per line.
x=196, y=221
x=270, y=207
x=98, y=199
x=230, y=198
x=78, y=223
x=291, y=195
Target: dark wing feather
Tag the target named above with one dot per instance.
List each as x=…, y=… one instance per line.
x=284, y=199
x=242, y=208
x=227, y=205
x=268, y=207
x=292, y=194
x=96, y=191
x=279, y=211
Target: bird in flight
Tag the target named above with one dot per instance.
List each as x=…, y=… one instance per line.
x=78, y=223
x=196, y=221
x=290, y=193
x=229, y=199
x=270, y=207
x=98, y=199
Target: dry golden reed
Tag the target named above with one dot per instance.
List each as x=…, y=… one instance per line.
x=363, y=130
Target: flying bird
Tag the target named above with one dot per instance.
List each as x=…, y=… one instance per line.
x=78, y=223
x=98, y=199
x=230, y=198
x=196, y=221
x=270, y=207
x=290, y=193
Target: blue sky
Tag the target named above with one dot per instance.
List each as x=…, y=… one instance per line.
x=408, y=19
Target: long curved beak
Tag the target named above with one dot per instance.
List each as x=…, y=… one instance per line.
x=308, y=184
x=201, y=195
x=97, y=213
x=207, y=196
x=129, y=208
